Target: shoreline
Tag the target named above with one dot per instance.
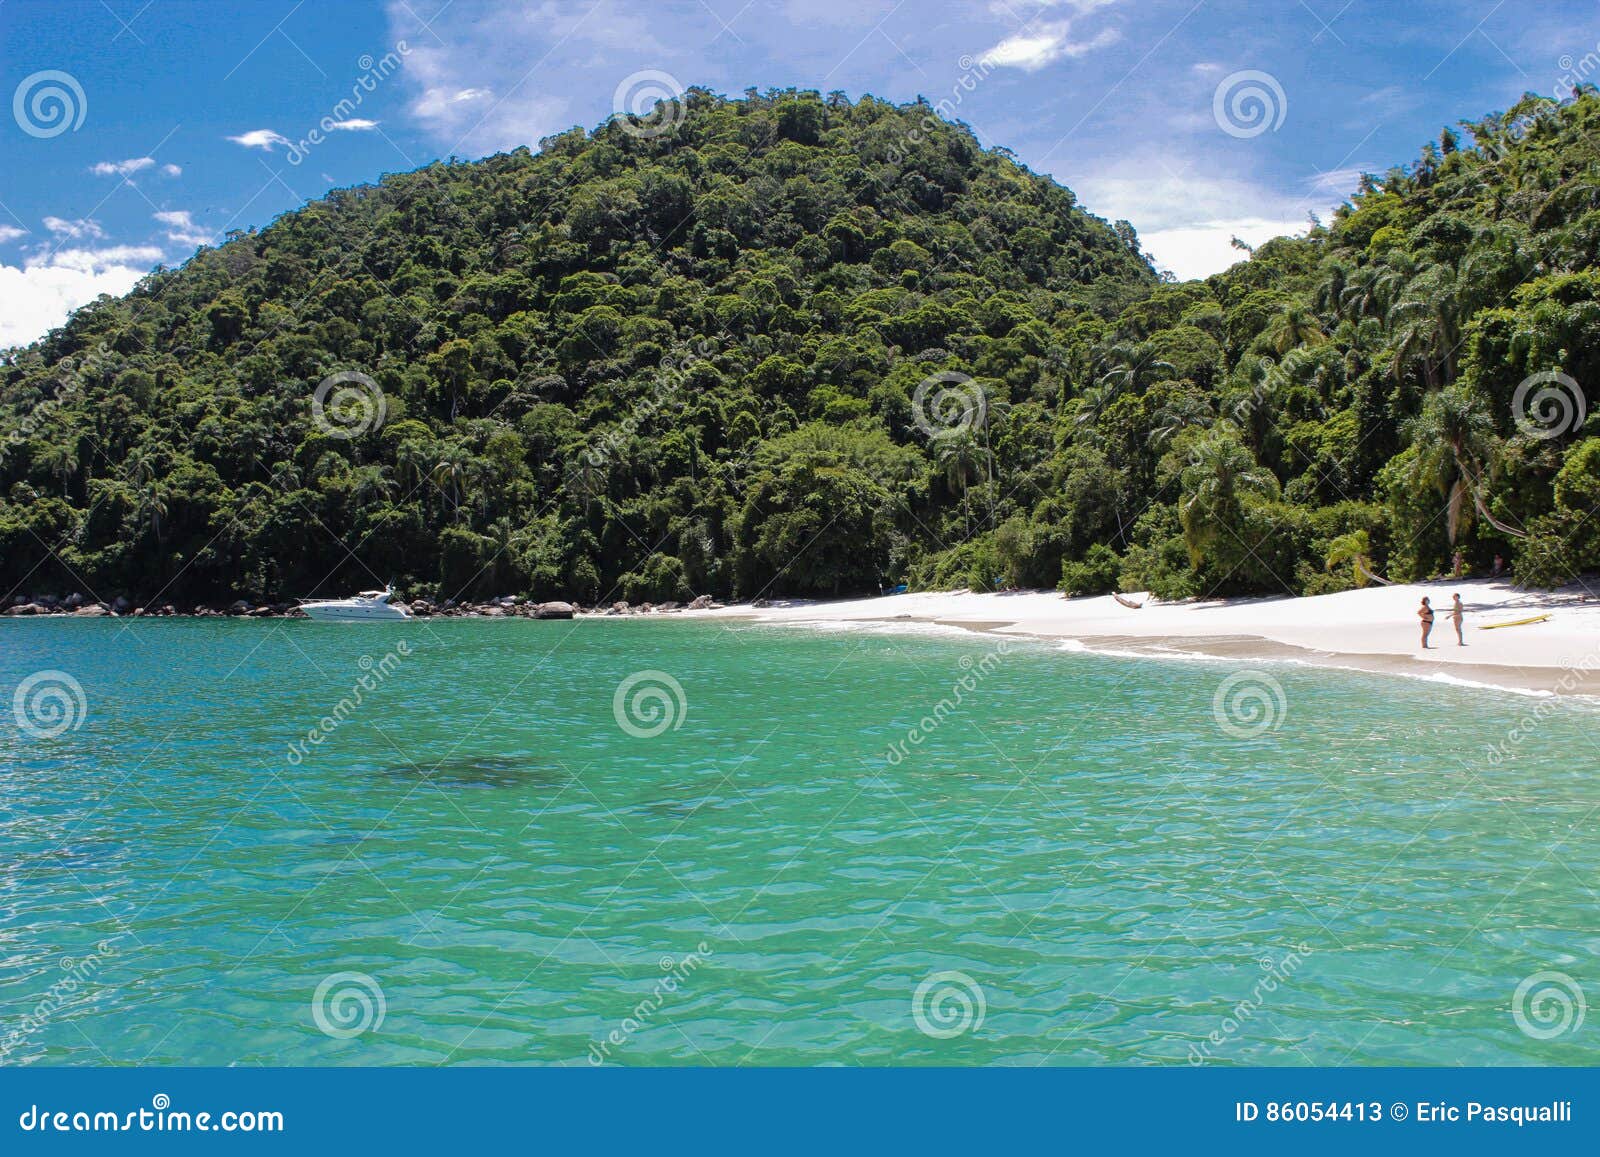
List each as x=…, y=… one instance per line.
x=1373, y=630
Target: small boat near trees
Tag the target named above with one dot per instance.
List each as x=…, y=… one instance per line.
x=368, y=606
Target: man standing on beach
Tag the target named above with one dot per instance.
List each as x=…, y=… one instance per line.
x=1457, y=613
x=1425, y=613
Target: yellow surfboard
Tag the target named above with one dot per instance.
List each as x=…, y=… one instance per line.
x=1514, y=623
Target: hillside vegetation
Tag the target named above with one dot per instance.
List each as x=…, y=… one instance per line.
x=788, y=344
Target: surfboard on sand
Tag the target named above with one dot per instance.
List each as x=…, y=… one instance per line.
x=1515, y=622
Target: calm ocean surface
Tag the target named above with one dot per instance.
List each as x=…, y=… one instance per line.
x=487, y=858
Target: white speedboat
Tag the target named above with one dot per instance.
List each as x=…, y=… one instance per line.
x=368, y=606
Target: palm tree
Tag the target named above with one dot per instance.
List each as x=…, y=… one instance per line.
x=60, y=460
x=372, y=483
x=1426, y=327
x=1295, y=326
x=1353, y=548
x=449, y=472
x=1181, y=412
x=1456, y=447
x=1220, y=473
x=1133, y=366
x=153, y=506
x=960, y=455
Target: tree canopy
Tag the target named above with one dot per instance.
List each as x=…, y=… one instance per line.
x=794, y=344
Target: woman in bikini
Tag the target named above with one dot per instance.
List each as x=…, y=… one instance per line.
x=1425, y=613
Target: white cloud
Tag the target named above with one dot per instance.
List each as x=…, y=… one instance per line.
x=78, y=230
x=42, y=294
x=122, y=168
x=1201, y=250
x=1186, y=219
x=182, y=229
x=171, y=171
x=496, y=80
x=260, y=139
x=1033, y=48
x=96, y=260
x=353, y=125
x=1339, y=182
x=11, y=233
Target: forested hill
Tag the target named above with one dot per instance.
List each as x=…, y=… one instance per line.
x=794, y=345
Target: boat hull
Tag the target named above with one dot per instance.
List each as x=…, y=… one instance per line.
x=338, y=614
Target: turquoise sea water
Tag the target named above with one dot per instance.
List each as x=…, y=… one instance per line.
x=1082, y=860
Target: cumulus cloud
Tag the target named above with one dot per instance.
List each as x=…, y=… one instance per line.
x=1187, y=219
x=171, y=171
x=1036, y=45
x=182, y=229
x=42, y=293
x=491, y=81
x=123, y=168
x=11, y=233
x=260, y=139
x=1031, y=50
x=353, y=125
x=78, y=230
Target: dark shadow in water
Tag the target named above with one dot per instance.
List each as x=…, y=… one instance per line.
x=487, y=771
x=671, y=808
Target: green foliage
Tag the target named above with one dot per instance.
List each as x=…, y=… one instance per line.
x=1095, y=575
x=651, y=367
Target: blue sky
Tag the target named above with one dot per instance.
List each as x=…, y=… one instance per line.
x=139, y=129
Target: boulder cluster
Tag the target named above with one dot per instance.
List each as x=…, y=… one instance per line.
x=507, y=606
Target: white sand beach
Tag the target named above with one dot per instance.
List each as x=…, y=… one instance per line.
x=1375, y=629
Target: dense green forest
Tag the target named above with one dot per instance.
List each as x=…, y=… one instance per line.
x=791, y=344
